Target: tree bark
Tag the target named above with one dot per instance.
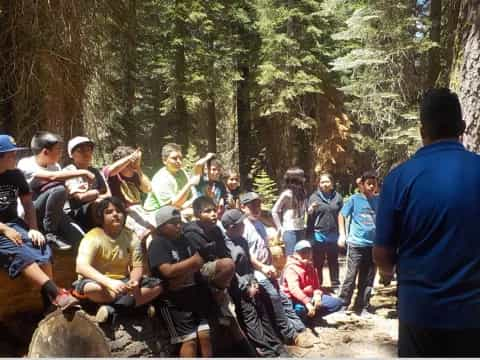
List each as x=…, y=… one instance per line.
x=435, y=32
x=180, y=64
x=211, y=123
x=243, y=124
x=130, y=73
x=470, y=75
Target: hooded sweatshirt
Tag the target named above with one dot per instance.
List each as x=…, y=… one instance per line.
x=300, y=279
x=209, y=240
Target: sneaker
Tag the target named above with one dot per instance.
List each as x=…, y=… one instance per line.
x=303, y=340
x=57, y=241
x=104, y=312
x=64, y=300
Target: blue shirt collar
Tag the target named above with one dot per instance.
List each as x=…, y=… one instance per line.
x=439, y=146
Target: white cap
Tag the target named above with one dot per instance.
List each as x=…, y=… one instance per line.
x=77, y=140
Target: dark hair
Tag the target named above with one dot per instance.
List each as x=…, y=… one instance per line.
x=201, y=203
x=214, y=161
x=44, y=140
x=441, y=114
x=103, y=204
x=368, y=175
x=294, y=179
x=121, y=152
x=167, y=149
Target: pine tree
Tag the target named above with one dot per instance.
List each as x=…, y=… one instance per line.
x=266, y=188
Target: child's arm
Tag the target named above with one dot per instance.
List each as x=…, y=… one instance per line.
x=341, y=230
x=62, y=175
x=31, y=220
x=199, y=165
x=119, y=165
x=277, y=209
x=192, y=264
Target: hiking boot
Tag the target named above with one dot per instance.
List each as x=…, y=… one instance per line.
x=104, y=312
x=64, y=300
x=303, y=340
x=56, y=240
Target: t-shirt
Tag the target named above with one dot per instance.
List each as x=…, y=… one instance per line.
x=213, y=189
x=29, y=167
x=165, y=251
x=80, y=184
x=165, y=186
x=362, y=211
x=429, y=212
x=12, y=185
x=125, y=188
x=111, y=257
x=256, y=236
x=286, y=215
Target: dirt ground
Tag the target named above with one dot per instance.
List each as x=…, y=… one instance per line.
x=348, y=335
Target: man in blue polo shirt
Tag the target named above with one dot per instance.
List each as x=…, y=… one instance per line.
x=428, y=227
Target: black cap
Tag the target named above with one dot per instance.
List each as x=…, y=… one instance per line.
x=232, y=217
x=165, y=214
x=248, y=197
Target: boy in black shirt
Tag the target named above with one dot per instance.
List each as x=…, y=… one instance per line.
x=250, y=309
x=185, y=309
x=23, y=250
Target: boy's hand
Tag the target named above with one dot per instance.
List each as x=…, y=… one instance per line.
x=89, y=175
x=313, y=207
x=37, y=237
x=13, y=235
x=118, y=287
x=341, y=241
x=310, y=310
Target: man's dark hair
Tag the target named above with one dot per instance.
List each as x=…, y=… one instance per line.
x=103, y=204
x=201, y=203
x=44, y=140
x=441, y=114
x=121, y=152
x=368, y=175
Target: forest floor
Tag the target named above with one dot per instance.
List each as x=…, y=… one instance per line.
x=352, y=336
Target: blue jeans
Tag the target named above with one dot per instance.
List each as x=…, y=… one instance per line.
x=284, y=317
x=330, y=304
x=290, y=238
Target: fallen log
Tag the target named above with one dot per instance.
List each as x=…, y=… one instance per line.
x=76, y=334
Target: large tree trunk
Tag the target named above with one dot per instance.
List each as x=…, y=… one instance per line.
x=130, y=73
x=470, y=74
x=180, y=64
x=243, y=123
x=435, y=32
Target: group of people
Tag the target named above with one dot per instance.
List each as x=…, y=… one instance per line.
x=198, y=248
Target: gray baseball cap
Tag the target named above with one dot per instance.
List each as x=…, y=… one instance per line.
x=232, y=217
x=165, y=214
x=248, y=197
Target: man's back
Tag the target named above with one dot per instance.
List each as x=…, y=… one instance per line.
x=430, y=212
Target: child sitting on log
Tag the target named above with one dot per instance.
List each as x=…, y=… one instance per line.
x=47, y=181
x=23, y=250
x=110, y=264
x=187, y=303
x=84, y=194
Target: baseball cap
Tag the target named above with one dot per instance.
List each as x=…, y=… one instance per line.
x=77, y=140
x=248, y=197
x=232, y=217
x=302, y=245
x=7, y=144
x=165, y=214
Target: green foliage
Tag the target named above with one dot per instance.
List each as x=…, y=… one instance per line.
x=266, y=188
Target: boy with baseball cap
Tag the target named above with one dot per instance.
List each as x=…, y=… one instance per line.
x=23, y=250
x=84, y=193
x=300, y=283
x=47, y=181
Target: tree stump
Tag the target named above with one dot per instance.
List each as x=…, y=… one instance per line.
x=76, y=334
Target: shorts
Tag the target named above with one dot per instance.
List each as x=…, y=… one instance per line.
x=208, y=271
x=14, y=258
x=182, y=326
x=147, y=282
